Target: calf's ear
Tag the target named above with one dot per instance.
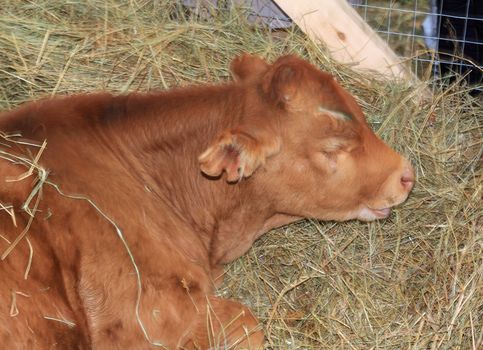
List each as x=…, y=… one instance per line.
x=238, y=153
x=281, y=83
x=247, y=66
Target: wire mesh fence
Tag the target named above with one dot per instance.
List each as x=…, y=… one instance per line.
x=443, y=36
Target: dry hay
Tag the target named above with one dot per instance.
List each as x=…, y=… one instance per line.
x=413, y=281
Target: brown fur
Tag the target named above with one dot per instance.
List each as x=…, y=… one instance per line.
x=288, y=140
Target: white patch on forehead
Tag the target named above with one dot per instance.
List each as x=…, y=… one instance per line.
x=335, y=114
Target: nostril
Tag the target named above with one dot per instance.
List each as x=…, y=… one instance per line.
x=407, y=179
x=406, y=182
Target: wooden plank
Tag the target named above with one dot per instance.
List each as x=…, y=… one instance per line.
x=347, y=36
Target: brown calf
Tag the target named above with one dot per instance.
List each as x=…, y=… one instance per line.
x=143, y=198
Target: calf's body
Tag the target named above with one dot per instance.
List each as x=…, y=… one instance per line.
x=135, y=220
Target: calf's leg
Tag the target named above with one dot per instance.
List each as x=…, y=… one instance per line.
x=225, y=324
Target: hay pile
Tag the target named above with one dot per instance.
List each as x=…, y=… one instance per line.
x=413, y=281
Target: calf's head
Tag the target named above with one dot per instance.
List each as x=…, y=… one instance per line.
x=304, y=142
